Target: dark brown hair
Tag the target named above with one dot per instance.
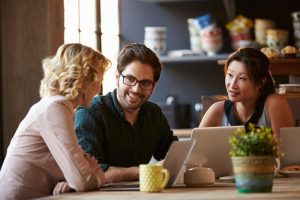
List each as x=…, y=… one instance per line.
x=139, y=52
x=257, y=66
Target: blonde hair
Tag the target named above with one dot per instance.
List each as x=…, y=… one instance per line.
x=72, y=68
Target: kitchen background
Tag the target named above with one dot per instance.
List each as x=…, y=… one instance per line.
x=33, y=29
x=190, y=80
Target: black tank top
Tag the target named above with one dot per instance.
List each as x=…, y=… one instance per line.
x=228, y=107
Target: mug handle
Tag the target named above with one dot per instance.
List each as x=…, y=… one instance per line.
x=277, y=166
x=166, y=177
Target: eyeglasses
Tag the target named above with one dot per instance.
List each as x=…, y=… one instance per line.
x=132, y=81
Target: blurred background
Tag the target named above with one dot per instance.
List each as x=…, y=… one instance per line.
x=192, y=78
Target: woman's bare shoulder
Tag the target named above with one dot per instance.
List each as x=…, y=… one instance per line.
x=276, y=100
x=218, y=106
x=280, y=112
x=214, y=114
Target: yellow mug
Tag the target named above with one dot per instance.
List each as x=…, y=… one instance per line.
x=153, y=178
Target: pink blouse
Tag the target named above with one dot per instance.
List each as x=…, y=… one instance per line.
x=43, y=152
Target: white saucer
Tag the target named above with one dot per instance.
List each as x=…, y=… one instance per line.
x=227, y=179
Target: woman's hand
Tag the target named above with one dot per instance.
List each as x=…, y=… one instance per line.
x=96, y=168
x=92, y=161
x=101, y=177
x=61, y=187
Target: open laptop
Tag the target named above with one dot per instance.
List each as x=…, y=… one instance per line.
x=212, y=149
x=290, y=146
x=175, y=159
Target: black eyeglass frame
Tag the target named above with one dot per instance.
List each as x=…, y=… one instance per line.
x=144, y=84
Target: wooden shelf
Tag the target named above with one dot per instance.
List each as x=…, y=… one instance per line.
x=281, y=66
x=192, y=59
x=277, y=66
x=169, y=1
x=285, y=66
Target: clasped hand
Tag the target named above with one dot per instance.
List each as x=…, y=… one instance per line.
x=63, y=187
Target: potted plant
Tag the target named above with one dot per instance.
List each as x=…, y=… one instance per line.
x=253, y=153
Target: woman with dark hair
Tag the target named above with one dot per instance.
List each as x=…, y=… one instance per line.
x=251, y=95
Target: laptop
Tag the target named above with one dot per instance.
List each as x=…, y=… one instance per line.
x=290, y=146
x=175, y=159
x=212, y=149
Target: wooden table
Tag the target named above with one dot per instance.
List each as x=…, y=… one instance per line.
x=284, y=188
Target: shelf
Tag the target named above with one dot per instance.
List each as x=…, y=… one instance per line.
x=169, y=1
x=277, y=66
x=285, y=66
x=281, y=66
x=192, y=59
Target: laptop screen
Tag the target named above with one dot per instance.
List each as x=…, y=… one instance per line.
x=212, y=149
x=290, y=146
x=176, y=158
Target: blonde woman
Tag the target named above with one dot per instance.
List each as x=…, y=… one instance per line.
x=44, y=157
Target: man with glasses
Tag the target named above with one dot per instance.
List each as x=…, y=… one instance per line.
x=122, y=129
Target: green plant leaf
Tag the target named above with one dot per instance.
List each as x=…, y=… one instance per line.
x=254, y=141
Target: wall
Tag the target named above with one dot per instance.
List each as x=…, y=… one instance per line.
x=189, y=81
x=30, y=31
x=135, y=15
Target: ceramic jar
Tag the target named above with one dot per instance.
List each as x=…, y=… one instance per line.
x=277, y=38
x=240, y=31
x=211, y=40
x=260, y=30
x=254, y=173
x=155, y=38
x=296, y=25
x=237, y=37
x=195, y=38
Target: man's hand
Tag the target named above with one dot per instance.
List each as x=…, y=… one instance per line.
x=61, y=187
x=118, y=174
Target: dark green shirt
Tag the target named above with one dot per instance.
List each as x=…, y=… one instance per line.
x=103, y=132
